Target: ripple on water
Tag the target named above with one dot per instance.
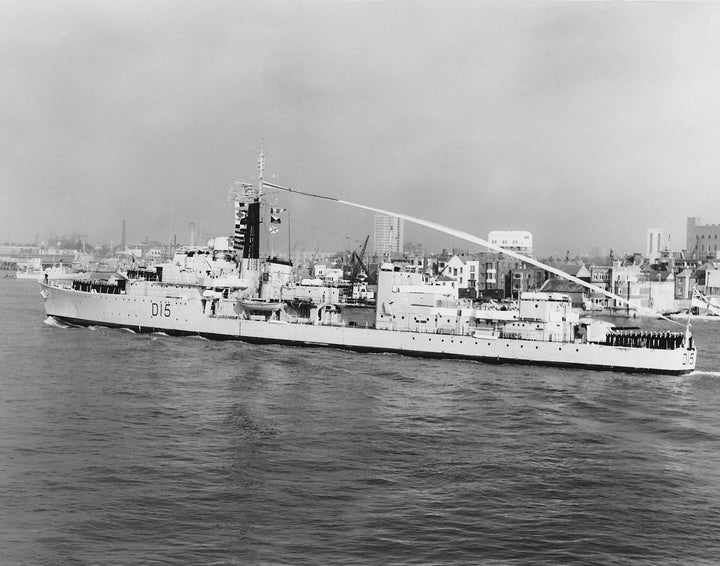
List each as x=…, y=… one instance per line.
x=132, y=448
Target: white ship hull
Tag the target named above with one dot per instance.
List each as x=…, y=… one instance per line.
x=52, y=274
x=32, y=275
x=694, y=317
x=182, y=311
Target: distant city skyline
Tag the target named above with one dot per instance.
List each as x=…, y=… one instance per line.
x=583, y=123
x=385, y=236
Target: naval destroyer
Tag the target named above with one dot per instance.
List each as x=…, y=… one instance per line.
x=226, y=291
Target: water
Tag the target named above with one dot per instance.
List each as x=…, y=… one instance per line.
x=118, y=448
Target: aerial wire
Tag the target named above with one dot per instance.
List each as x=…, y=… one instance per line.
x=477, y=240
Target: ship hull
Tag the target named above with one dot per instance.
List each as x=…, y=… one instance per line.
x=186, y=314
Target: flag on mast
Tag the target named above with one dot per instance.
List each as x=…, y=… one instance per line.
x=275, y=219
x=241, y=214
x=698, y=299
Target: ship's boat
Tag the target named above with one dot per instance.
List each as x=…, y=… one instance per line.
x=261, y=306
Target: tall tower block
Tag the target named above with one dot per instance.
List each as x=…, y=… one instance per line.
x=654, y=244
x=692, y=222
x=389, y=237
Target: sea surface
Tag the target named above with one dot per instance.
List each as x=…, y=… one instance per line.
x=121, y=448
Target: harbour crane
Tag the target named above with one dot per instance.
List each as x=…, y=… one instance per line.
x=357, y=263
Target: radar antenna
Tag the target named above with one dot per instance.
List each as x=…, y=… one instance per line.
x=261, y=171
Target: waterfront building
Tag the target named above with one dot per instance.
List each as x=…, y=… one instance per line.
x=514, y=240
x=519, y=277
x=446, y=283
x=684, y=284
x=489, y=272
x=465, y=269
x=19, y=250
x=388, y=235
x=455, y=269
x=703, y=240
x=155, y=254
x=712, y=282
x=575, y=291
x=660, y=291
x=472, y=267
x=578, y=270
x=328, y=275
x=707, y=279
x=600, y=276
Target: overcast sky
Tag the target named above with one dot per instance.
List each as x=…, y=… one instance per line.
x=584, y=123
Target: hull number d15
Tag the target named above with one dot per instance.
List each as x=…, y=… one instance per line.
x=159, y=309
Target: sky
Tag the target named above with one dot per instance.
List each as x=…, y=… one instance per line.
x=583, y=123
